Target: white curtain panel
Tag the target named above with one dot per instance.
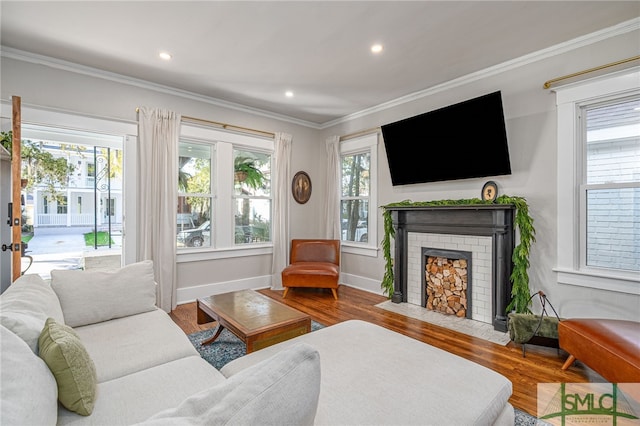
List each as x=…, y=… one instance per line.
x=158, y=135
x=280, y=220
x=332, y=212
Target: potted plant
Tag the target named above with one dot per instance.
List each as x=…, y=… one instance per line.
x=247, y=171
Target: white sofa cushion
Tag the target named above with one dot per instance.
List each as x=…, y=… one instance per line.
x=138, y=396
x=360, y=359
x=88, y=297
x=282, y=390
x=26, y=305
x=126, y=345
x=28, y=394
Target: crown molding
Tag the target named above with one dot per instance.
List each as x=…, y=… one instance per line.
x=622, y=28
x=21, y=55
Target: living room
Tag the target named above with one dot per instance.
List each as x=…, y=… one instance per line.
x=530, y=116
x=57, y=92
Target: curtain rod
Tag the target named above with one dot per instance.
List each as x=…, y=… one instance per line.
x=225, y=126
x=360, y=133
x=548, y=84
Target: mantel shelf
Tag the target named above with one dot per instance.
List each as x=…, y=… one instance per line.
x=456, y=207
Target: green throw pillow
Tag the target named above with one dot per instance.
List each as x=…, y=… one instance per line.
x=68, y=360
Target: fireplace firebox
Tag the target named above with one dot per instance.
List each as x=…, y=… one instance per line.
x=446, y=281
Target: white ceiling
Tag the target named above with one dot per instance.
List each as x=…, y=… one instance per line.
x=250, y=53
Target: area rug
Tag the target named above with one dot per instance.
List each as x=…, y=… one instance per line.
x=462, y=325
x=227, y=346
x=525, y=419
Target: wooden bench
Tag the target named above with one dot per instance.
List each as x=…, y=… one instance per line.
x=610, y=347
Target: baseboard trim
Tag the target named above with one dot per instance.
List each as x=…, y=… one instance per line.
x=361, y=283
x=191, y=294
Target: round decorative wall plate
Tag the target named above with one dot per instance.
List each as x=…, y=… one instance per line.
x=301, y=187
x=490, y=191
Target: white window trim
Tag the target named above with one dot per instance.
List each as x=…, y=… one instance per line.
x=569, y=99
x=225, y=142
x=367, y=143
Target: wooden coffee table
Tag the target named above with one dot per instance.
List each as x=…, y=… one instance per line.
x=257, y=320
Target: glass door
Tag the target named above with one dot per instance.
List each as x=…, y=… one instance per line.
x=73, y=212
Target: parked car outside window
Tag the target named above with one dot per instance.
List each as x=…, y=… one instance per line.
x=198, y=237
x=361, y=231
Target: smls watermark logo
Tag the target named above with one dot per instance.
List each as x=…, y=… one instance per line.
x=567, y=404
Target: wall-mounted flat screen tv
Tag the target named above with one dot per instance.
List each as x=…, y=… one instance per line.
x=460, y=141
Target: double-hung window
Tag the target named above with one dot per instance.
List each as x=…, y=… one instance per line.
x=224, y=194
x=358, y=209
x=599, y=183
x=62, y=204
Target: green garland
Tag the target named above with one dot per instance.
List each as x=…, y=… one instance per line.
x=520, y=293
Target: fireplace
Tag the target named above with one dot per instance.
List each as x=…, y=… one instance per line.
x=476, y=249
x=446, y=284
x=487, y=229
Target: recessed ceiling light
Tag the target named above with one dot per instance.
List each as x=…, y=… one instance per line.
x=376, y=48
x=288, y=94
x=165, y=55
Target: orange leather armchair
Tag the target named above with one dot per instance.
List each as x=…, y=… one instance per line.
x=313, y=263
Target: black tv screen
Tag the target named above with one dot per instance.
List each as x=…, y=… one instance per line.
x=460, y=141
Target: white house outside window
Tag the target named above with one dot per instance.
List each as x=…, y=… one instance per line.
x=358, y=209
x=610, y=187
x=599, y=183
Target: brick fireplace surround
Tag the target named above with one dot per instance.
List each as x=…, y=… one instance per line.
x=494, y=221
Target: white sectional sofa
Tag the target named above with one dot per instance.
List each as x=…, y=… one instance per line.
x=146, y=370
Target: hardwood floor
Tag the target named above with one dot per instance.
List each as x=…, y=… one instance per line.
x=541, y=365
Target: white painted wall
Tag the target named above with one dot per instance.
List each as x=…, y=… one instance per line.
x=46, y=87
x=531, y=129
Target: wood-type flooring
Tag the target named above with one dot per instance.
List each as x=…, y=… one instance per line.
x=541, y=364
